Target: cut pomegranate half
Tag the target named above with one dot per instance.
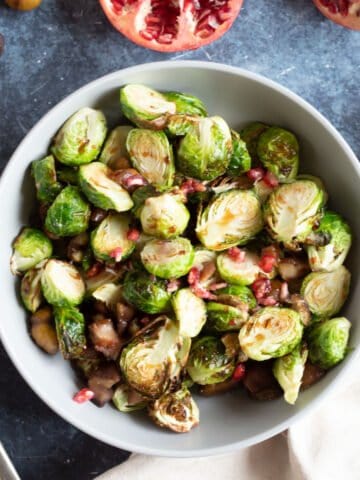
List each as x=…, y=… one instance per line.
x=344, y=12
x=172, y=25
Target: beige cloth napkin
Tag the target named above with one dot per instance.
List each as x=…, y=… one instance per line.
x=323, y=446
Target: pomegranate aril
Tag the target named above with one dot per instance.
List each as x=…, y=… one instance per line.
x=239, y=372
x=133, y=234
x=270, y=180
x=268, y=301
x=147, y=35
x=236, y=254
x=84, y=395
x=267, y=263
x=165, y=38
x=256, y=174
x=194, y=276
x=261, y=287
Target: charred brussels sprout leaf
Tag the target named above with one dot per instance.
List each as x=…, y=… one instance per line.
x=250, y=134
x=240, y=160
x=190, y=312
x=69, y=214
x=270, y=333
x=328, y=342
x=30, y=247
x=278, y=151
x=115, y=146
x=127, y=400
x=231, y=218
x=81, y=137
x=186, y=104
x=238, y=273
x=152, y=156
x=224, y=318
x=30, y=289
x=62, y=284
x=70, y=329
x=44, y=173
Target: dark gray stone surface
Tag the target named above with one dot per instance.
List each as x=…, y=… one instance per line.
x=54, y=50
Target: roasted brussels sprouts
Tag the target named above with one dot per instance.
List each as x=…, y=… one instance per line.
x=190, y=312
x=237, y=296
x=146, y=293
x=81, y=137
x=186, y=104
x=240, y=160
x=62, y=284
x=109, y=293
x=44, y=173
x=326, y=292
x=289, y=370
x=250, y=134
x=152, y=362
x=109, y=241
x=127, y=400
x=145, y=107
x=224, y=318
x=151, y=154
x=68, y=175
x=171, y=258
x=30, y=247
x=30, y=289
x=69, y=214
x=328, y=342
x=96, y=183
x=278, y=151
x=270, y=333
x=292, y=210
x=109, y=274
x=205, y=151
x=330, y=256
x=114, y=150
x=70, y=329
x=231, y=218
x=238, y=273
x=164, y=216
x=175, y=410
x=180, y=125
x=208, y=362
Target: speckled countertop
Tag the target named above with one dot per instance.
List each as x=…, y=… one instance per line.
x=51, y=52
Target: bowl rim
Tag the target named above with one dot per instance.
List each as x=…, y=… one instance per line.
x=233, y=446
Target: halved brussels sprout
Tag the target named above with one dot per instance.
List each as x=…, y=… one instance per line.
x=208, y=362
x=70, y=329
x=224, y=318
x=250, y=134
x=186, y=104
x=115, y=146
x=203, y=256
x=30, y=247
x=237, y=295
x=238, y=273
x=176, y=411
x=270, y=333
x=145, y=107
x=164, y=216
x=30, y=289
x=146, y=293
x=44, y=173
x=190, y=312
x=205, y=262
x=278, y=150
x=330, y=256
x=81, y=137
x=152, y=156
x=127, y=400
x=292, y=210
x=152, y=362
x=69, y=214
x=231, y=218
x=109, y=240
x=328, y=342
x=96, y=183
x=240, y=160
x=109, y=293
x=171, y=258
x=289, y=370
x=107, y=275
x=62, y=284
x=326, y=292
x=180, y=125
x=139, y=197
x=205, y=150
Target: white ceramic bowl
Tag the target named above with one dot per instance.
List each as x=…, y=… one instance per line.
x=231, y=421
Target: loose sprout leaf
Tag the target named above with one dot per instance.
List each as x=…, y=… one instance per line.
x=70, y=329
x=114, y=149
x=62, y=284
x=240, y=160
x=44, y=173
x=30, y=289
x=190, y=312
x=30, y=247
x=122, y=396
x=109, y=293
x=186, y=104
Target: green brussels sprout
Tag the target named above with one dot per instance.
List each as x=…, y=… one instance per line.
x=250, y=134
x=164, y=216
x=203, y=256
x=186, y=104
x=62, y=284
x=208, y=362
x=292, y=210
x=44, y=173
x=30, y=289
x=152, y=155
x=81, y=137
x=176, y=411
x=115, y=146
x=180, y=125
x=146, y=293
x=332, y=255
x=239, y=294
x=70, y=329
x=68, y=175
x=231, y=218
x=204, y=152
x=171, y=258
x=127, y=400
x=30, y=247
x=289, y=370
x=278, y=151
x=238, y=273
x=145, y=107
x=109, y=293
x=224, y=318
x=190, y=312
x=153, y=361
x=205, y=262
x=270, y=333
x=139, y=197
x=240, y=160
x=328, y=342
x=103, y=192
x=69, y=214
x=326, y=292
x=109, y=240
x=107, y=275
